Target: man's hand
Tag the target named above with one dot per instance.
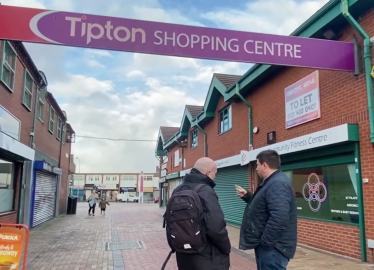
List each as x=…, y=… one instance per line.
x=240, y=191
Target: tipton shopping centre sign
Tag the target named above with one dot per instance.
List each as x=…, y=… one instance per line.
x=100, y=32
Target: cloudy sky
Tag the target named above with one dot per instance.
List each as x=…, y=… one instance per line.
x=127, y=95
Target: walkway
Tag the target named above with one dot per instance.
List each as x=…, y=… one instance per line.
x=131, y=237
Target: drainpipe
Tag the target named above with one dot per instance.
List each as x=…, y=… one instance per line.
x=369, y=89
x=249, y=113
x=32, y=135
x=367, y=63
x=205, y=140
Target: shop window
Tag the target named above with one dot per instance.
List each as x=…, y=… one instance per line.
x=194, y=141
x=327, y=193
x=225, y=120
x=7, y=190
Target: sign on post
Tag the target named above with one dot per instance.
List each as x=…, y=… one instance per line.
x=109, y=33
x=14, y=241
x=302, y=101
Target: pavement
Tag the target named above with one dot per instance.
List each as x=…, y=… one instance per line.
x=130, y=236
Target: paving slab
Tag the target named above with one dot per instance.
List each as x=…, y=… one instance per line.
x=130, y=236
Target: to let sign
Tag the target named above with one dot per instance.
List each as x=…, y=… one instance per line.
x=302, y=101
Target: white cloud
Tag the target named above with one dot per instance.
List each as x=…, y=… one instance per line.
x=266, y=16
x=128, y=96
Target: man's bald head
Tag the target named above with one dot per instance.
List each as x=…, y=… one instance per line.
x=206, y=166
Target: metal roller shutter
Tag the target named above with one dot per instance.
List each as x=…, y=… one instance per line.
x=45, y=198
x=232, y=205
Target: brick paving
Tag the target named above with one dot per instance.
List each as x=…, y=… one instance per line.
x=80, y=242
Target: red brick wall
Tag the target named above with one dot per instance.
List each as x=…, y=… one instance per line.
x=47, y=142
x=343, y=100
x=170, y=166
x=191, y=155
x=229, y=143
x=12, y=101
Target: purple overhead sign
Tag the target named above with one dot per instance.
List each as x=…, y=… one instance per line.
x=92, y=31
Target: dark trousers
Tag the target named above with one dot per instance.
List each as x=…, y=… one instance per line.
x=270, y=259
x=92, y=208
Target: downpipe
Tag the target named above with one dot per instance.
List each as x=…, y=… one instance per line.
x=205, y=140
x=369, y=90
x=249, y=113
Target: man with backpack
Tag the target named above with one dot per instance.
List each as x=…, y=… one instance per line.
x=195, y=226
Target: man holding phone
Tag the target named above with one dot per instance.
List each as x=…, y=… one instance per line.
x=269, y=223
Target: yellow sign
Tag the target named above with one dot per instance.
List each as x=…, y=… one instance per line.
x=372, y=75
x=11, y=247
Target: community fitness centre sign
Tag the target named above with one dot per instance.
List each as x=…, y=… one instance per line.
x=325, y=137
x=100, y=32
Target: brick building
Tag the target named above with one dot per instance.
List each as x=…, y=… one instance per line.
x=82, y=184
x=331, y=147
x=35, y=142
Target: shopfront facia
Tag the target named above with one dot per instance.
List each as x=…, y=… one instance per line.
x=330, y=136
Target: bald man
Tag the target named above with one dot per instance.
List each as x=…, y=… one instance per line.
x=216, y=255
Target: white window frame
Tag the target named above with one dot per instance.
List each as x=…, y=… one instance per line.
x=51, y=120
x=6, y=65
x=27, y=90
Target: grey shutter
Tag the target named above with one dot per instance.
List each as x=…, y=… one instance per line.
x=45, y=198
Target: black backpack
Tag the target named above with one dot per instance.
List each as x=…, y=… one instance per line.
x=184, y=222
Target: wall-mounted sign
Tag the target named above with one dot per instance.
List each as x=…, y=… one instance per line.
x=302, y=101
x=100, y=32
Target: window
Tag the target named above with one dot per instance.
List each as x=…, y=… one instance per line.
x=107, y=178
x=176, y=158
x=194, y=141
x=64, y=134
x=7, y=190
x=59, y=127
x=97, y=178
x=41, y=110
x=28, y=84
x=51, y=123
x=114, y=178
x=225, y=120
x=8, y=67
x=148, y=177
x=128, y=178
x=9, y=124
x=328, y=192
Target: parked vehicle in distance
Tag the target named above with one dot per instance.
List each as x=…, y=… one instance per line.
x=125, y=197
x=156, y=200
x=133, y=198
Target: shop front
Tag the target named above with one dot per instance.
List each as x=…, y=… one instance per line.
x=229, y=174
x=173, y=180
x=163, y=192
x=46, y=188
x=324, y=170
x=15, y=170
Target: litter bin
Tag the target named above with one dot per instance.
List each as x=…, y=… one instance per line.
x=72, y=205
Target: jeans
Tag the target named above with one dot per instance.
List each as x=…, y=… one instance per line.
x=92, y=208
x=270, y=259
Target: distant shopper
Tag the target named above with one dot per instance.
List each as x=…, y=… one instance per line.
x=195, y=225
x=269, y=223
x=92, y=200
x=102, y=205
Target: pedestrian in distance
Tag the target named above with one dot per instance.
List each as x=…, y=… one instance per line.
x=92, y=200
x=269, y=223
x=195, y=226
x=102, y=204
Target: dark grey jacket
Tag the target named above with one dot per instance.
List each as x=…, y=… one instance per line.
x=270, y=218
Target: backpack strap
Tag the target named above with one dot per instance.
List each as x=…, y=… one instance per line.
x=167, y=259
x=198, y=187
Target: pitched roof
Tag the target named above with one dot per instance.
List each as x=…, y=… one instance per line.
x=194, y=110
x=227, y=79
x=168, y=132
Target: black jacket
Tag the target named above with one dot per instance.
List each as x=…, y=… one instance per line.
x=270, y=218
x=216, y=255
